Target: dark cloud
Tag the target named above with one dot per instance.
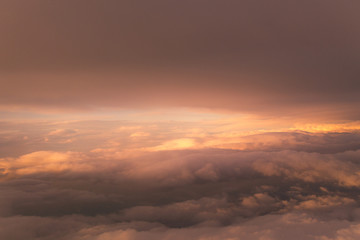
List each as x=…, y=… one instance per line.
x=329, y=142
x=256, y=56
x=180, y=192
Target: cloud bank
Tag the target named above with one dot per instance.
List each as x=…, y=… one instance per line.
x=205, y=193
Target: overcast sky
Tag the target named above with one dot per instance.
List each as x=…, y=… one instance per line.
x=275, y=57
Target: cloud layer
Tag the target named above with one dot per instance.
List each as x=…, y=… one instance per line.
x=252, y=56
x=192, y=119
x=288, y=191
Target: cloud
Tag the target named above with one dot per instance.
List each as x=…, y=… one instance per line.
x=182, y=143
x=273, y=227
x=43, y=162
x=351, y=232
x=175, y=120
x=122, y=137
x=280, y=185
x=193, y=174
x=244, y=56
x=312, y=168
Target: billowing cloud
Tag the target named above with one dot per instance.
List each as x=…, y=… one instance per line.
x=208, y=193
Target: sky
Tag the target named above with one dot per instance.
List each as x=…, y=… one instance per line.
x=170, y=119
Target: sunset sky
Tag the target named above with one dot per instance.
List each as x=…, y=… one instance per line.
x=179, y=119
